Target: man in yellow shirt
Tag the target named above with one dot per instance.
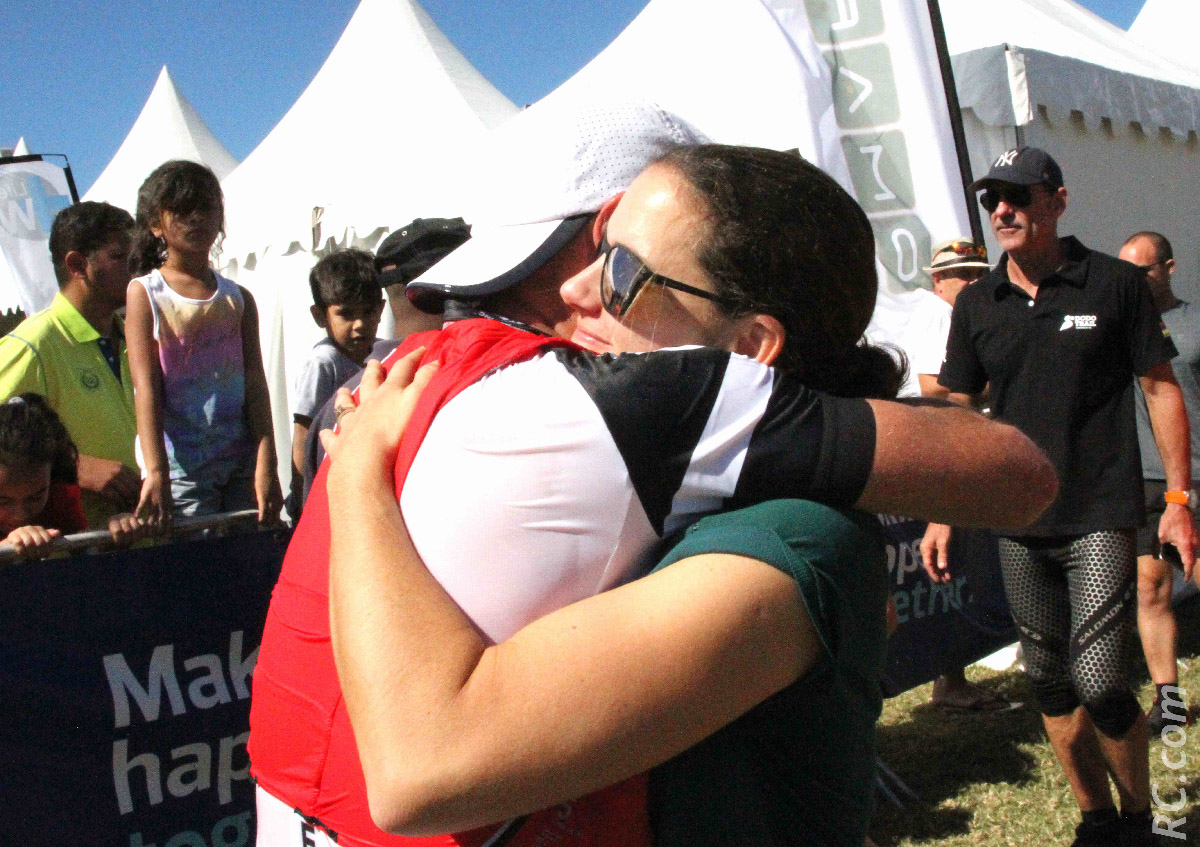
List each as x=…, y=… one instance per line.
x=73, y=353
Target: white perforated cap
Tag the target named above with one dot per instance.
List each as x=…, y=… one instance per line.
x=543, y=172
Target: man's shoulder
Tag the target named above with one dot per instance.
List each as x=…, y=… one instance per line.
x=1111, y=265
x=1102, y=267
x=928, y=304
x=31, y=336
x=1181, y=320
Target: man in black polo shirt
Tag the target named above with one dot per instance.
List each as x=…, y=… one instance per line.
x=1058, y=331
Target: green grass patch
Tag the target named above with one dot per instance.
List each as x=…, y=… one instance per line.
x=992, y=779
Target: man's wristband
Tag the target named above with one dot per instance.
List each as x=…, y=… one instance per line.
x=1182, y=498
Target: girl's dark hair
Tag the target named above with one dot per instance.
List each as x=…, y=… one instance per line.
x=31, y=433
x=784, y=239
x=179, y=187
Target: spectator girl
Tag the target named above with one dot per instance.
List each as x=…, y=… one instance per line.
x=39, y=479
x=205, y=442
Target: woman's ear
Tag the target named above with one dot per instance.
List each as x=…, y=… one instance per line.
x=600, y=222
x=760, y=337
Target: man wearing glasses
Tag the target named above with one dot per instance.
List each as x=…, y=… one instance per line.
x=1152, y=252
x=1058, y=331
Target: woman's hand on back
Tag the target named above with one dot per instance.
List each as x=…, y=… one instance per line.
x=369, y=432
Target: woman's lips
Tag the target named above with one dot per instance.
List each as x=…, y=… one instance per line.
x=588, y=341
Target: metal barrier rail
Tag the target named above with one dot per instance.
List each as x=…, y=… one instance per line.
x=99, y=540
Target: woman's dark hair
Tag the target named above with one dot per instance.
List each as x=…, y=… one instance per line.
x=347, y=276
x=784, y=239
x=31, y=433
x=179, y=187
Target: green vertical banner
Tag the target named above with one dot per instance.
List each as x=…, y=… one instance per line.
x=893, y=122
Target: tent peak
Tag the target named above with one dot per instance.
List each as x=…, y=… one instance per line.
x=168, y=127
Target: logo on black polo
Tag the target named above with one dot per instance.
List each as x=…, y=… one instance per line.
x=89, y=379
x=1078, y=322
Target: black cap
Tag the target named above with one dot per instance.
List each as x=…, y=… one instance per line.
x=1023, y=166
x=417, y=247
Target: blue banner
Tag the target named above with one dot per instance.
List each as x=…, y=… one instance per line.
x=125, y=694
x=32, y=192
x=947, y=626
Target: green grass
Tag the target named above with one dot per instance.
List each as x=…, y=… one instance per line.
x=992, y=779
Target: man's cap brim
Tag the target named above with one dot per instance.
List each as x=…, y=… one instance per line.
x=980, y=184
x=494, y=260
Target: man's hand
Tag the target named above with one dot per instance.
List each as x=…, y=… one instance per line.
x=1178, y=528
x=112, y=480
x=935, y=552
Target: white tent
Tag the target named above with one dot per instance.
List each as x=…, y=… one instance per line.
x=393, y=99
x=729, y=68
x=1169, y=27
x=22, y=149
x=1121, y=120
x=167, y=128
x=370, y=144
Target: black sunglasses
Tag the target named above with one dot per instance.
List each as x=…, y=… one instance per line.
x=1017, y=196
x=625, y=274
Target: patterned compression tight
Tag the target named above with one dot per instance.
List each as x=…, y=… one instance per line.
x=1073, y=599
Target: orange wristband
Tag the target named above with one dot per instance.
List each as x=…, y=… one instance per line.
x=1181, y=498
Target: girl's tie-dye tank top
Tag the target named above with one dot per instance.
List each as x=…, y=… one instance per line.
x=204, y=385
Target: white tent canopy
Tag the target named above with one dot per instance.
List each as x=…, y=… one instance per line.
x=393, y=99
x=22, y=149
x=1169, y=27
x=1057, y=55
x=167, y=128
x=726, y=66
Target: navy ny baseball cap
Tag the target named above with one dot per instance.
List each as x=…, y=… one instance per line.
x=1023, y=166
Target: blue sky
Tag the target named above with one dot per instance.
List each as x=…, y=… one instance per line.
x=76, y=74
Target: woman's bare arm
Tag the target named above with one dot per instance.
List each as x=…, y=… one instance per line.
x=454, y=733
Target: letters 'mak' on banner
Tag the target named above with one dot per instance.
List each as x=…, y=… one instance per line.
x=125, y=694
x=32, y=192
x=946, y=626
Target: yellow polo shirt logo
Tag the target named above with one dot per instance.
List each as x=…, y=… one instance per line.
x=89, y=379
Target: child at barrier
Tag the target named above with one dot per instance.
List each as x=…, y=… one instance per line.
x=347, y=304
x=39, y=480
x=205, y=442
